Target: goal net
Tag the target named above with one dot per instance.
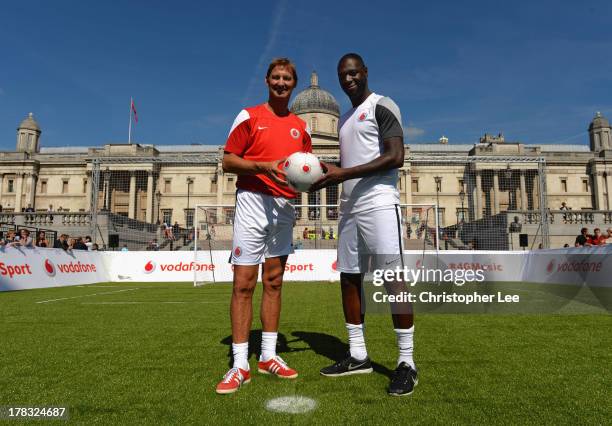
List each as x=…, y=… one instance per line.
x=316, y=227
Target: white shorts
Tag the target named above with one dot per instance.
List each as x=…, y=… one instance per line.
x=263, y=228
x=366, y=233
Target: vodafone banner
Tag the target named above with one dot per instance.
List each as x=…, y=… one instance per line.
x=26, y=268
x=571, y=266
x=159, y=266
x=22, y=268
x=496, y=265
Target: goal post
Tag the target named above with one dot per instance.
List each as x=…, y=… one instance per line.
x=315, y=227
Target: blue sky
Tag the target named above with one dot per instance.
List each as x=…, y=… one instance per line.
x=536, y=71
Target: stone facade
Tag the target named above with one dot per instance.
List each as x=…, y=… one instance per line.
x=163, y=183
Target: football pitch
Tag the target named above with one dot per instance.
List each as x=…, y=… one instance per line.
x=133, y=353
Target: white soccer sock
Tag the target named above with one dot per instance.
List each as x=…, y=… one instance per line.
x=241, y=355
x=268, y=345
x=357, y=341
x=405, y=345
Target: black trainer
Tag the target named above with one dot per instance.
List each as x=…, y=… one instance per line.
x=348, y=366
x=403, y=381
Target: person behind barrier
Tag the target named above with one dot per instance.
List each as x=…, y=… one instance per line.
x=583, y=239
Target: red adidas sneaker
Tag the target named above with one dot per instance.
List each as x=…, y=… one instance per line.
x=233, y=379
x=278, y=367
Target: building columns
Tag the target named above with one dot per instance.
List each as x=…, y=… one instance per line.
x=149, y=215
x=18, y=193
x=1, y=188
x=478, y=203
x=495, y=192
x=132, y=201
x=598, y=189
x=523, y=190
x=608, y=187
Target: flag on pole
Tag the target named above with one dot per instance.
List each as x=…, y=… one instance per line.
x=134, y=111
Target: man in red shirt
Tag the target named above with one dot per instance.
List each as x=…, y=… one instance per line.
x=258, y=143
x=597, y=239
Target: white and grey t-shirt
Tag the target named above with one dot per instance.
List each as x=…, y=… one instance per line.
x=362, y=130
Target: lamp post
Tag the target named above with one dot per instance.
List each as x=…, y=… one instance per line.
x=158, y=199
x=462, y=198
x=508, y=175
x=189, y=182
x=106, y=188
x=438, y=180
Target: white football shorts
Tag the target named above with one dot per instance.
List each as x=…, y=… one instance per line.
x=367, y=233
x=263, y=228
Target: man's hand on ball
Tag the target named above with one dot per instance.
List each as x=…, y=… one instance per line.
x=333, y=175
x=274, y=170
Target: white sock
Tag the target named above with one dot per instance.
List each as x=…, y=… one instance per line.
x=357, y=341
x=268, y=345
x=405, y=345
x=241, y=355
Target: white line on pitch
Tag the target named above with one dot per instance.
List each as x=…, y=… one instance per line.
x=86, y=295
x=139, y=303
x=97, y=286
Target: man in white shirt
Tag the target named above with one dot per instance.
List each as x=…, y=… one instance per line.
x=371, y=151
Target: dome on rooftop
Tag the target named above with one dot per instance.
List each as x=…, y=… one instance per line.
x=29, y=123
x=599, y=122
x=315, y=99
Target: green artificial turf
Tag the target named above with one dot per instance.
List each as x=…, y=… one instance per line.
x=131, y=357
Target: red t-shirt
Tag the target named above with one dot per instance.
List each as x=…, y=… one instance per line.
x=598, y=241
x=259, y=135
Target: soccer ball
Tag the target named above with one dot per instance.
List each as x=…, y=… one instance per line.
x=303, y=169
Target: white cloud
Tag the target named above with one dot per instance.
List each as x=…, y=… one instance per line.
x=267, y=52
x=413, y=132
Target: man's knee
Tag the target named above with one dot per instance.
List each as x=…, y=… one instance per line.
x=273, y=281
x=244, y=281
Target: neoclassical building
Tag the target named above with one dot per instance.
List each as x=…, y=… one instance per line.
x=162, y=183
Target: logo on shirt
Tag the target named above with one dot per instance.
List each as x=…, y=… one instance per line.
x=295, y=133
x=261, y=127
x=363, y=116
x=237, y=251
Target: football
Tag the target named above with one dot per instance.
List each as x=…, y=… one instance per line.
x=303, y=169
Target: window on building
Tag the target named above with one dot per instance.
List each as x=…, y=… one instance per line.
x=585, y=185
x=441, y=217
x=331, y=197
x=313, y=124
x=167, y=185
x=228, y=214
x=461, y=186
x=167, y=216
x=415, y=185
x=43, y=186
x=333, y=126
x=84, y=186
x=230, y=184
x=298, y=210
x=563, y=184
x=189, y=217
x=314, y=198
x=11, y=186
x=64, y=186
x=213, y=184
x=462, y=214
